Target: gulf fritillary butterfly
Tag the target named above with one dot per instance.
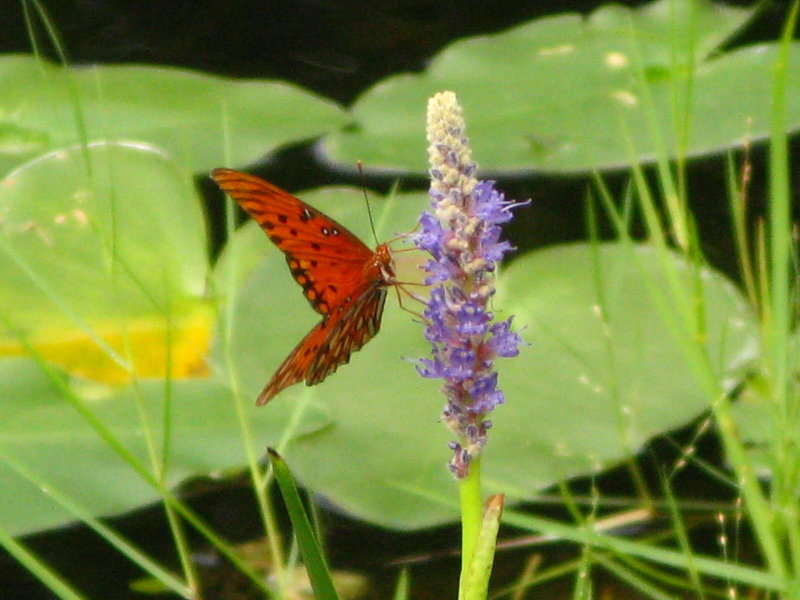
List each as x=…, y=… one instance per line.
x=342, y=279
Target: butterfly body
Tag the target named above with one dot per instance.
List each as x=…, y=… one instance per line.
x=342, y=279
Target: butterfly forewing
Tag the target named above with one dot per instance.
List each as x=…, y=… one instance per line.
x=323, y=256
x=342, y=278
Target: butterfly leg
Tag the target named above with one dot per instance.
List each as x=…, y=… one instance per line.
x=400, y=286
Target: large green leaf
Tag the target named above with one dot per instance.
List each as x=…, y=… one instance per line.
x=104, y=243
x=45, y=435
x=568, y=93
x=200, y=120
x=612, y=362
x=584, y=395
x=103, y=264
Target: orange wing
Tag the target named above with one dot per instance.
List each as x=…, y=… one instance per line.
x=342, y=278
x=331, y=342
x=324, y=257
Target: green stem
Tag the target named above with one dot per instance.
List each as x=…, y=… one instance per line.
x=469, y=491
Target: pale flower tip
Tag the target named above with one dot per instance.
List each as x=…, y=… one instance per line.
x=449, y=154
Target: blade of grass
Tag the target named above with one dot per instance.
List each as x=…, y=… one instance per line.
x=738, y=202
x=403, y=589
x=679, y=527
x=310, y=548
x=612, y=378
x=52, y=34
x=634, y=580
x=519, y=588
x=40, y=569
x=674, y=200
x=779, y=326
x=261, y=480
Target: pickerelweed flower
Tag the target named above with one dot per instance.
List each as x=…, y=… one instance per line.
x=461, y=232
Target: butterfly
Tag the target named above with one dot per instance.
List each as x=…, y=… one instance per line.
x=341, y=277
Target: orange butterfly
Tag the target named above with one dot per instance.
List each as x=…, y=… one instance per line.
x=342, y=279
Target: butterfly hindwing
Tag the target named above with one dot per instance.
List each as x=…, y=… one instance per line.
x=331, y=342
x=323, y=256
x=360, y=323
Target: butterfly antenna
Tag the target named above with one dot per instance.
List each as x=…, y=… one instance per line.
x=360, y=167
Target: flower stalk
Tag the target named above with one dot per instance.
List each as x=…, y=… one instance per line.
x=461, y=233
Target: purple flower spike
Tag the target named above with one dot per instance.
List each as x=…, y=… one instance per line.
x=461, y=232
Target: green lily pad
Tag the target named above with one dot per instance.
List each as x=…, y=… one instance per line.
x=104, y=263
x=567, y=93
x=44, y=434
x=611, y=362
x=200, y=120
x=103, y=259
x=582, y=397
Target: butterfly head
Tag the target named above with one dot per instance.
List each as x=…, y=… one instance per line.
x=382, y=265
